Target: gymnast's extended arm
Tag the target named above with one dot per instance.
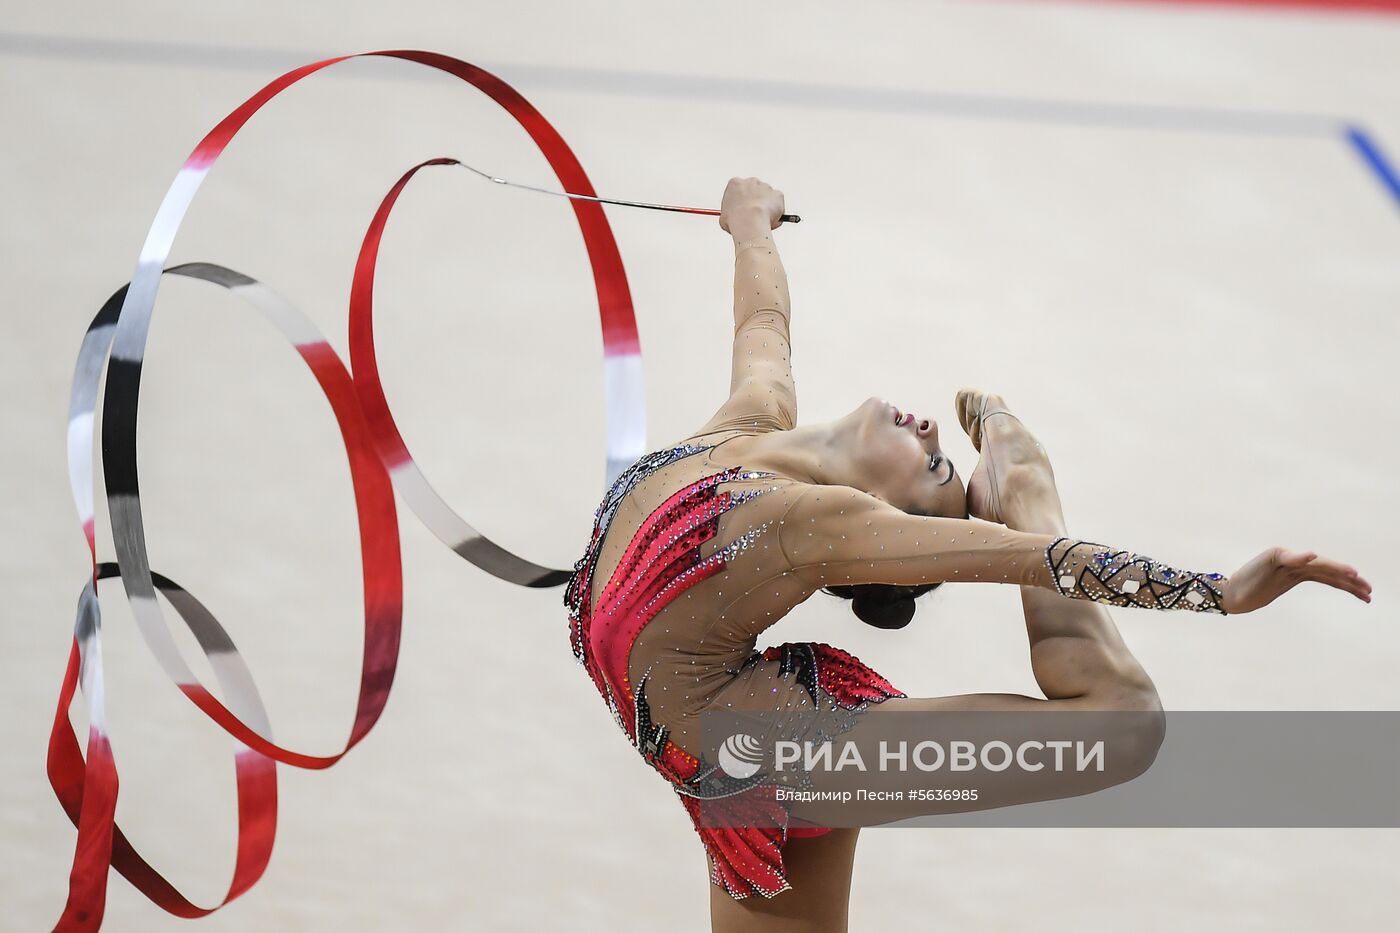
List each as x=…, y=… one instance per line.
x=762, y=396
x=837, y=535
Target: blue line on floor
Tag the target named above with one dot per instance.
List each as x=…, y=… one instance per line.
x=1371, y=154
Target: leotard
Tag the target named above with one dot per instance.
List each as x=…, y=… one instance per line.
x=694, y=554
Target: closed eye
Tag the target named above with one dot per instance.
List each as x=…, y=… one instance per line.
x=941, y=466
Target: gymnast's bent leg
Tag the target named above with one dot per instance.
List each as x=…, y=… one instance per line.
x=1079, y=661
x=1078, y=658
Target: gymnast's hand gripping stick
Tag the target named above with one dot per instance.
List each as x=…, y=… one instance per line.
x=708, y=212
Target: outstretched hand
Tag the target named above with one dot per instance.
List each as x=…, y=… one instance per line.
x=1278, y=570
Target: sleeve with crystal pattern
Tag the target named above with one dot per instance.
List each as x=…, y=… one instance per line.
x=837, y=535
x=1084, y=570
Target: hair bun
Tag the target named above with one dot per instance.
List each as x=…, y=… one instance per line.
x=882, y=605
x=883, y=609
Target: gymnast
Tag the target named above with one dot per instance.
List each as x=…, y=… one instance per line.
x=699, y=547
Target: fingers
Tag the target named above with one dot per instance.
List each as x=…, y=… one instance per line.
x=1343, y=577
x=1292, y=560
x=749, y=186
x=1335, y=566
x=1359, y=589
x=1339, y=576
x=963, y=404
x=744, y=192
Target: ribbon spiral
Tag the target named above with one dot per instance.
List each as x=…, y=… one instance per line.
x=380, y=464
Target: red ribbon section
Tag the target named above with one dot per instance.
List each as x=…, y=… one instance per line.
x=379, y=463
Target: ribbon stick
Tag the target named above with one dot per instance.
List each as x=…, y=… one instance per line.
x=379, y=464
x=707, y=211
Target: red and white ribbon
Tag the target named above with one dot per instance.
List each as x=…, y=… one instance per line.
x=379, y=463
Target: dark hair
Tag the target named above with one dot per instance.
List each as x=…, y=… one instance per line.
x=883, y=605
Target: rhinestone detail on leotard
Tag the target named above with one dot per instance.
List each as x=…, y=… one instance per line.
x=1084, y=570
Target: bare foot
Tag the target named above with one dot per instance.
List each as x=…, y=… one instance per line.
x=1013, y=478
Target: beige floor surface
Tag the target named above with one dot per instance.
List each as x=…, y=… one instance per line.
x=1198, y=318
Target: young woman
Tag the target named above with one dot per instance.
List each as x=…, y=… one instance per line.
x=701, y=546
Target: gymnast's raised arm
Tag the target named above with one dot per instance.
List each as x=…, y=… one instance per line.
x=761, y=392
x=837, y=535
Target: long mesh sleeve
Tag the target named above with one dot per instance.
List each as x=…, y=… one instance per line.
x=762, y=393
x=836, y=535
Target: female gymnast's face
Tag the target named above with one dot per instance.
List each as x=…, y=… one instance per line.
x=897, y=458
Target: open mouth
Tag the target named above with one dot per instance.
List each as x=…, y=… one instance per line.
x=902, y=419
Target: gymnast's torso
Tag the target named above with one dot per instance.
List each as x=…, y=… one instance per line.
x=685, y=570
x=689, y=561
